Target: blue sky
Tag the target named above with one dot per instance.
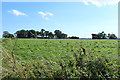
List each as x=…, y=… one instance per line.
x=72, y=18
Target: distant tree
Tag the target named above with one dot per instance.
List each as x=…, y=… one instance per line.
x=58, y=34
x=10, y=36
x=73, y=37
x=51, y=35
x=102, y=35
x=94, y=36
x=42, y=33
x=46, y=33
x=63, y=36
x=33, y=33
x=22, y=34
x=37, y=32
x=28, y=33
x=6, y=34
x=112, y=36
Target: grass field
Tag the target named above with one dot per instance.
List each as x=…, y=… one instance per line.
x=60, y=58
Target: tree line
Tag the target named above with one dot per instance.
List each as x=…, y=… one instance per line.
x=57, y=34
x=103, y=35
x=36, y=34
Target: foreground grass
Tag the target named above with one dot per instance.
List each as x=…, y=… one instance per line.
x=60, y=58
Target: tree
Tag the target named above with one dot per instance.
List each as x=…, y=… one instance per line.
x=29, y=35
x=33, y=33
x=112, y=36
x=63, y=36
x=5, y=34
x=26, y=34
x=51, y=35
x=22, y=34
x=94, y=36
x=58, y=34
x=42, y=33
x=73, y=37
x=37, y=34
x=46, y=33
x=10, y=36
x=102, y=35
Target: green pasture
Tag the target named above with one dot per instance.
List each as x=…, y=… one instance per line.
x=28, y=49
x=36, y=51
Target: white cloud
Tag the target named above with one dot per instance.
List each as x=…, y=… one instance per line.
x=100, y=2
x=42, y=13
x=17, y=13
x=45, y=15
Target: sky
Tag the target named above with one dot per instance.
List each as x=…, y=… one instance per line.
x=73, y=18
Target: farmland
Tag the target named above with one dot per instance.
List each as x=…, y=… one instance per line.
x=60, y=58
